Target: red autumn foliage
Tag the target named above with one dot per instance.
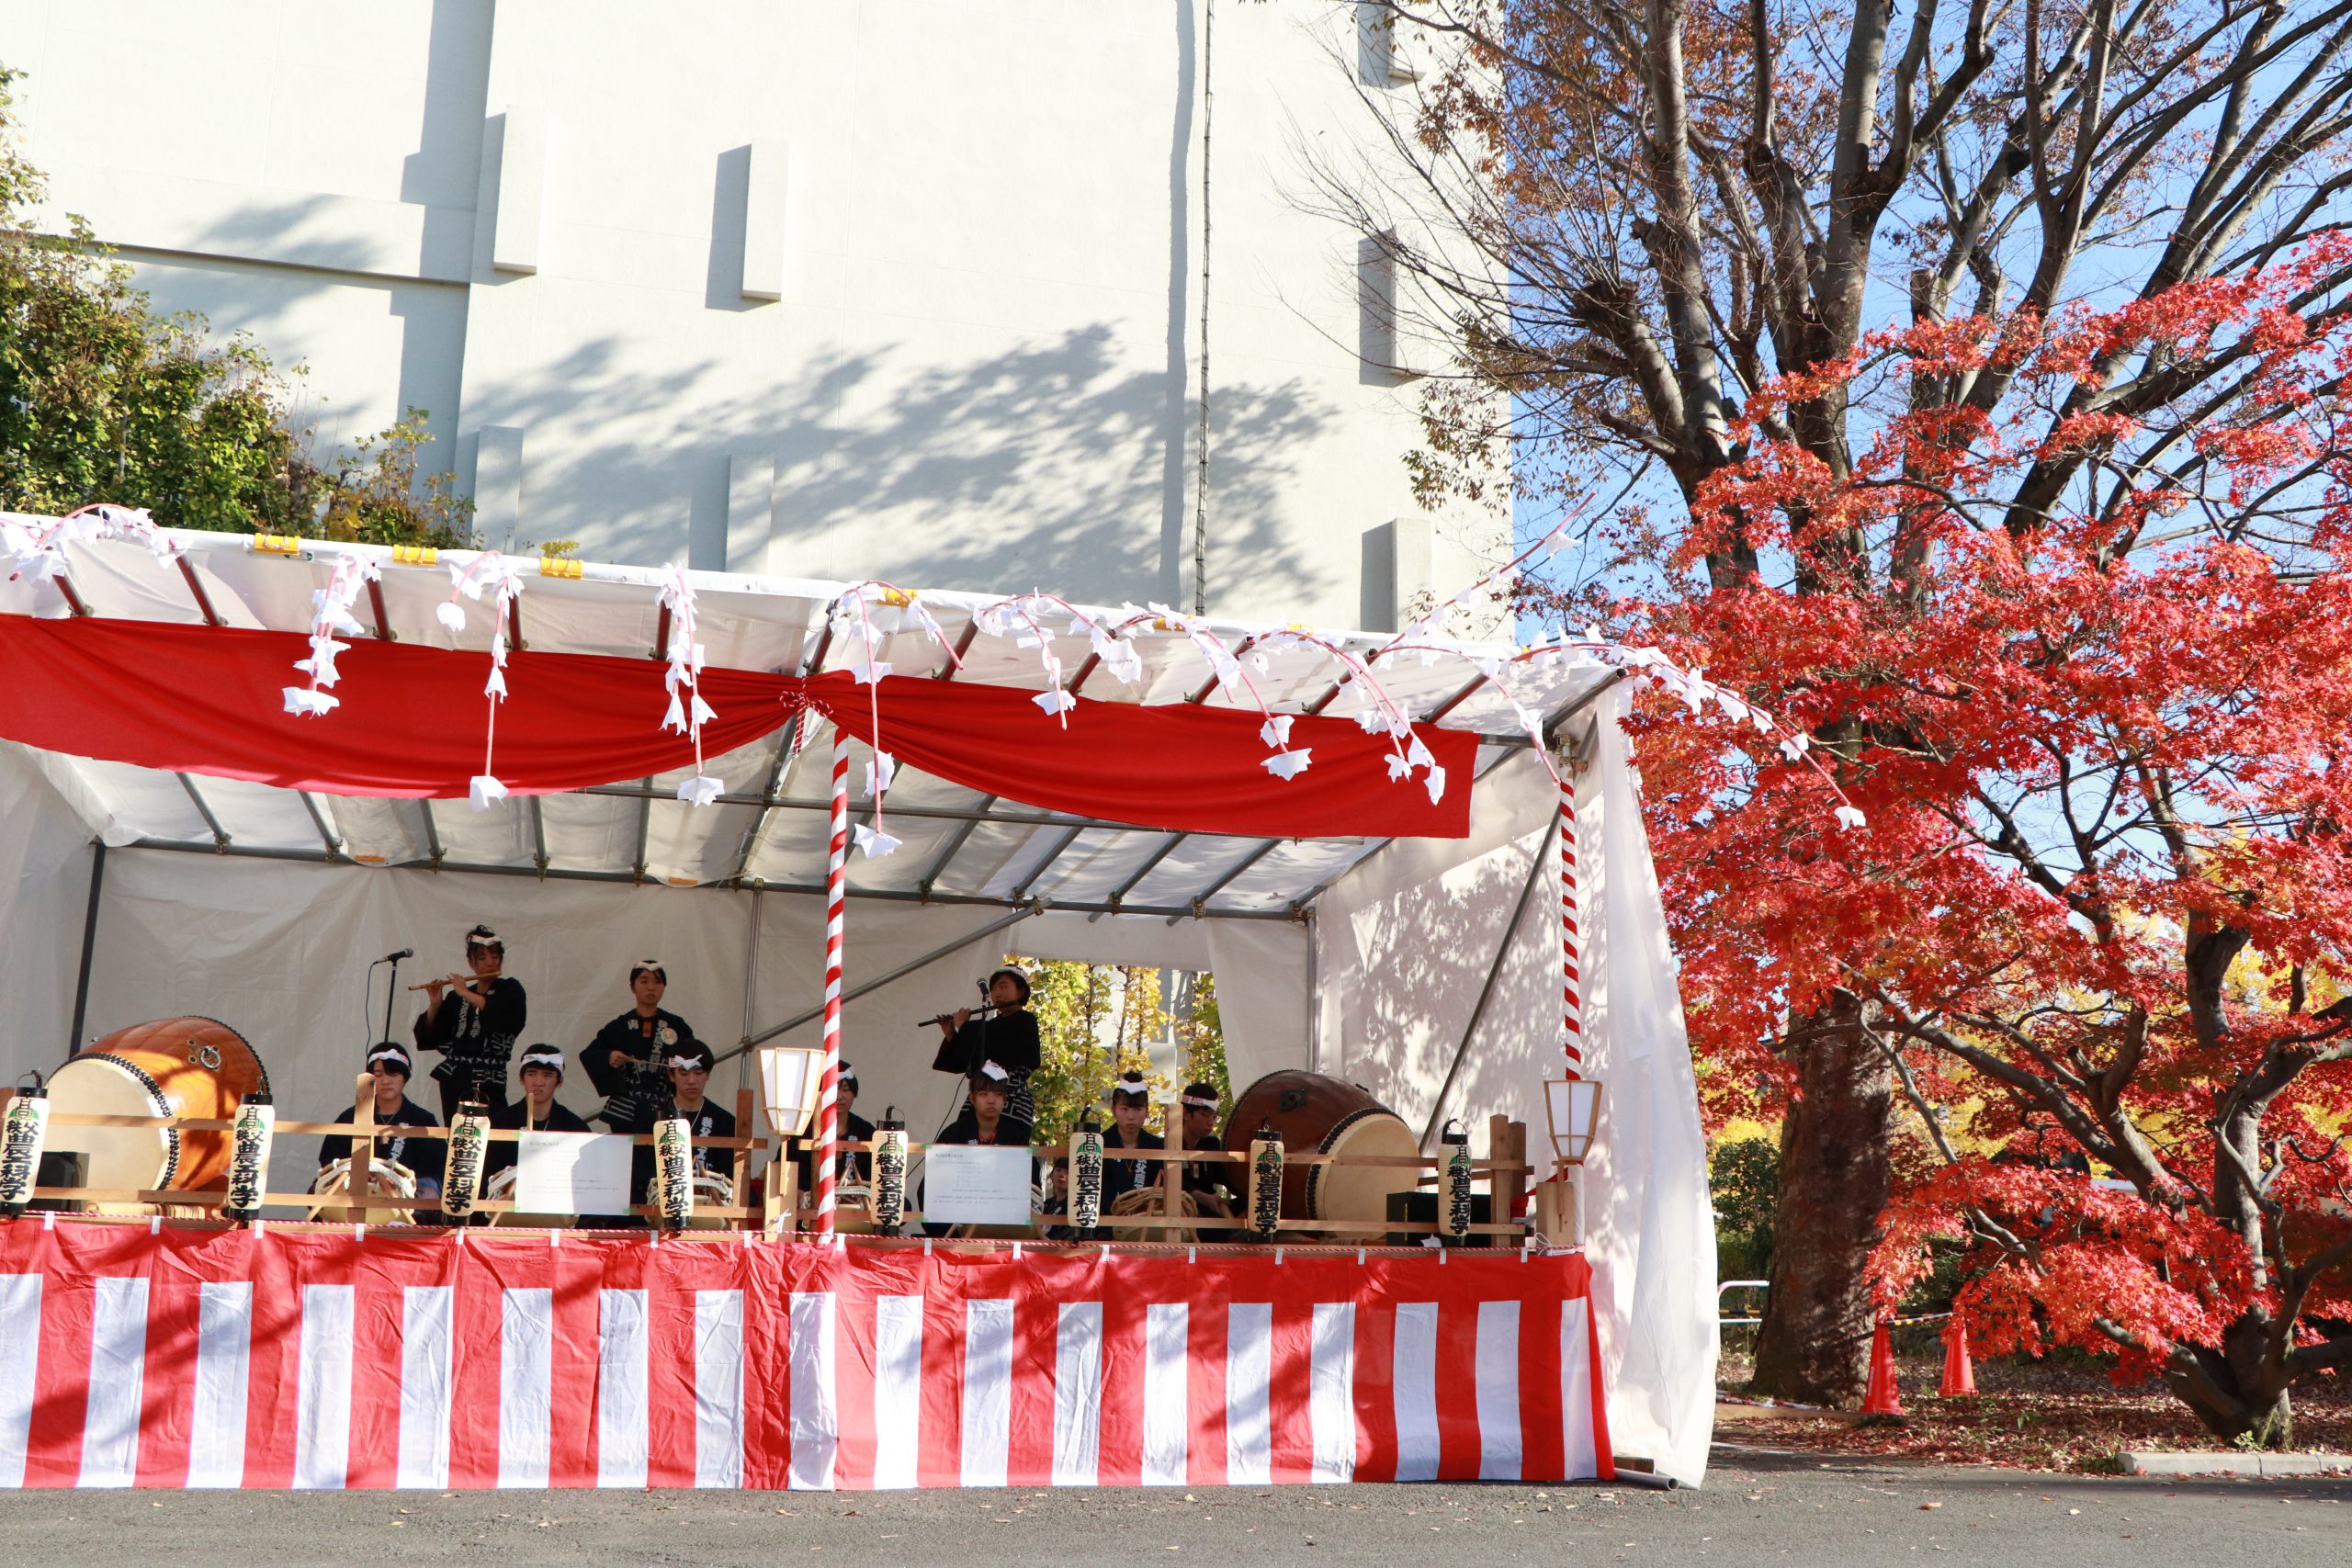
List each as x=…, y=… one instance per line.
x=2104, y=885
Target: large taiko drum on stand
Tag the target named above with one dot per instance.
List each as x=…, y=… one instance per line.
x=174, y=1067
x=1316, y=1114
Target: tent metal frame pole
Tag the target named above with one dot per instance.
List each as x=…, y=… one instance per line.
x=878, y=895
x=1494, y=971
x=1219, y=886
x=89, y=944
x=204, y=809
x=1552, y=728
x=1150, y=865
x=1317, y=706
x=432, y=832
x=327, y=835
x=902, y=972
x=750, y=991
x=956, y=844
x=1046, y=864
x=788, y=751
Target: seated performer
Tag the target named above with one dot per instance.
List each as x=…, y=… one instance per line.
x=538, y=1111
x=1130, y=1102
x=628, y=1060
x=1008, y=1037
x=389, y=1066
x=475, y=1025
x=986, y=1117
x=1206, y=1181
x=850, y=1128
x=689, y=1067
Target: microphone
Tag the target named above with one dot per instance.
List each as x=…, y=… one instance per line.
x=396, y=957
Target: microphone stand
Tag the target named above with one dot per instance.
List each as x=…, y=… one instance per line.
x=391, y=989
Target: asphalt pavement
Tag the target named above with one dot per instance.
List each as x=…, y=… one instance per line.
x=1757, y=1506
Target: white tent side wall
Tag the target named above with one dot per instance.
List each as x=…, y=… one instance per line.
x=45, y=854
x=1406, y=943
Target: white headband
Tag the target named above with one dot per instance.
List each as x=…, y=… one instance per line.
x=399, y=1056
x=689, y=1063
x=1196, y=1103
x=991, y=1070
x=544, y=1059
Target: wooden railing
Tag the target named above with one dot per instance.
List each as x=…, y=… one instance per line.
x=782, y=1209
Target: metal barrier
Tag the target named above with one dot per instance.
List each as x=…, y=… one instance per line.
x=1721, y=1322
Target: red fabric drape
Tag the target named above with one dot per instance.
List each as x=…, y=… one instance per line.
x=206, y=700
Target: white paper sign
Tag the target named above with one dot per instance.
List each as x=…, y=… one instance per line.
x=572, y=1173
x=968, y=1184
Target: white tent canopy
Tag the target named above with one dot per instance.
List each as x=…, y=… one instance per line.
x=1425, y=969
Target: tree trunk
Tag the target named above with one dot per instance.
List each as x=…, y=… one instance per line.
x=2240, y=1391
x=1813, y=1345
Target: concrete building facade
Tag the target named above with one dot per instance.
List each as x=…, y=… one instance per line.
x=899, y=288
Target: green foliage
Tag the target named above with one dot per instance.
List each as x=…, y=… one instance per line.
x=103, y=400
x=1098, y=1020
x=1744, y=1179
x=1201, y=1029
x=376, y=495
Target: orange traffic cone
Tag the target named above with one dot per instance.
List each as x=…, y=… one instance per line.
x=1960, y=1372
x=1883, y=1399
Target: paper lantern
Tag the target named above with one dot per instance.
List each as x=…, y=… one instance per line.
x=250, y=1135
x=469, y=1146
x=674, y=1172
x=791, y=1077
x=889, y=1173
x=1456, y=1139
x=28, y=1129
x=1572, y=1110
x=1086, y=1174
x=1266, y=1180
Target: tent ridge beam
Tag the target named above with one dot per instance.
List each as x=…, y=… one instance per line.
x=761, y=1037
x=869, y=895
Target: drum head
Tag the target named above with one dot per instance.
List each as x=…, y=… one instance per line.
x=1360, y=1191
x=140, y=1158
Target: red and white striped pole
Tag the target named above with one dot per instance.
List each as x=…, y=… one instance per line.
x=836, y=895
x=1571, y=939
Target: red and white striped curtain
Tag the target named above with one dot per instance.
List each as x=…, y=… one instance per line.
x=330, y=1358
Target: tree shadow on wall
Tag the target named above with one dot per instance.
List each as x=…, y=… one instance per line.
x=1421, y=957
x=1044, y=466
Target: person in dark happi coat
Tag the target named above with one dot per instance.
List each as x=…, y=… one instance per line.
x=1130, y=1103
x=986, y=1117
x=538, y=1111
x=852, y=1129
x=473, y=1019
x=1206, y=1181
x=628, y=1061
x=1008, y=1037
x=689, y=1065
x=389, y=1066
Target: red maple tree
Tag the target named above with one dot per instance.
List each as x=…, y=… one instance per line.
x=2103, y=896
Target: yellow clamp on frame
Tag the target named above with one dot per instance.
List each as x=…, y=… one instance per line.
x=276, y=545
x=557, y=566
x=415, y=555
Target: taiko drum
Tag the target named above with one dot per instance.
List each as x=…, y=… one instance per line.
x=195, y=1067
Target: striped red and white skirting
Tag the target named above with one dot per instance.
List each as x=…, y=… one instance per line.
x=140, y=1357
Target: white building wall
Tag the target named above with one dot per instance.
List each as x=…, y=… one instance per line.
x=926, y=271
